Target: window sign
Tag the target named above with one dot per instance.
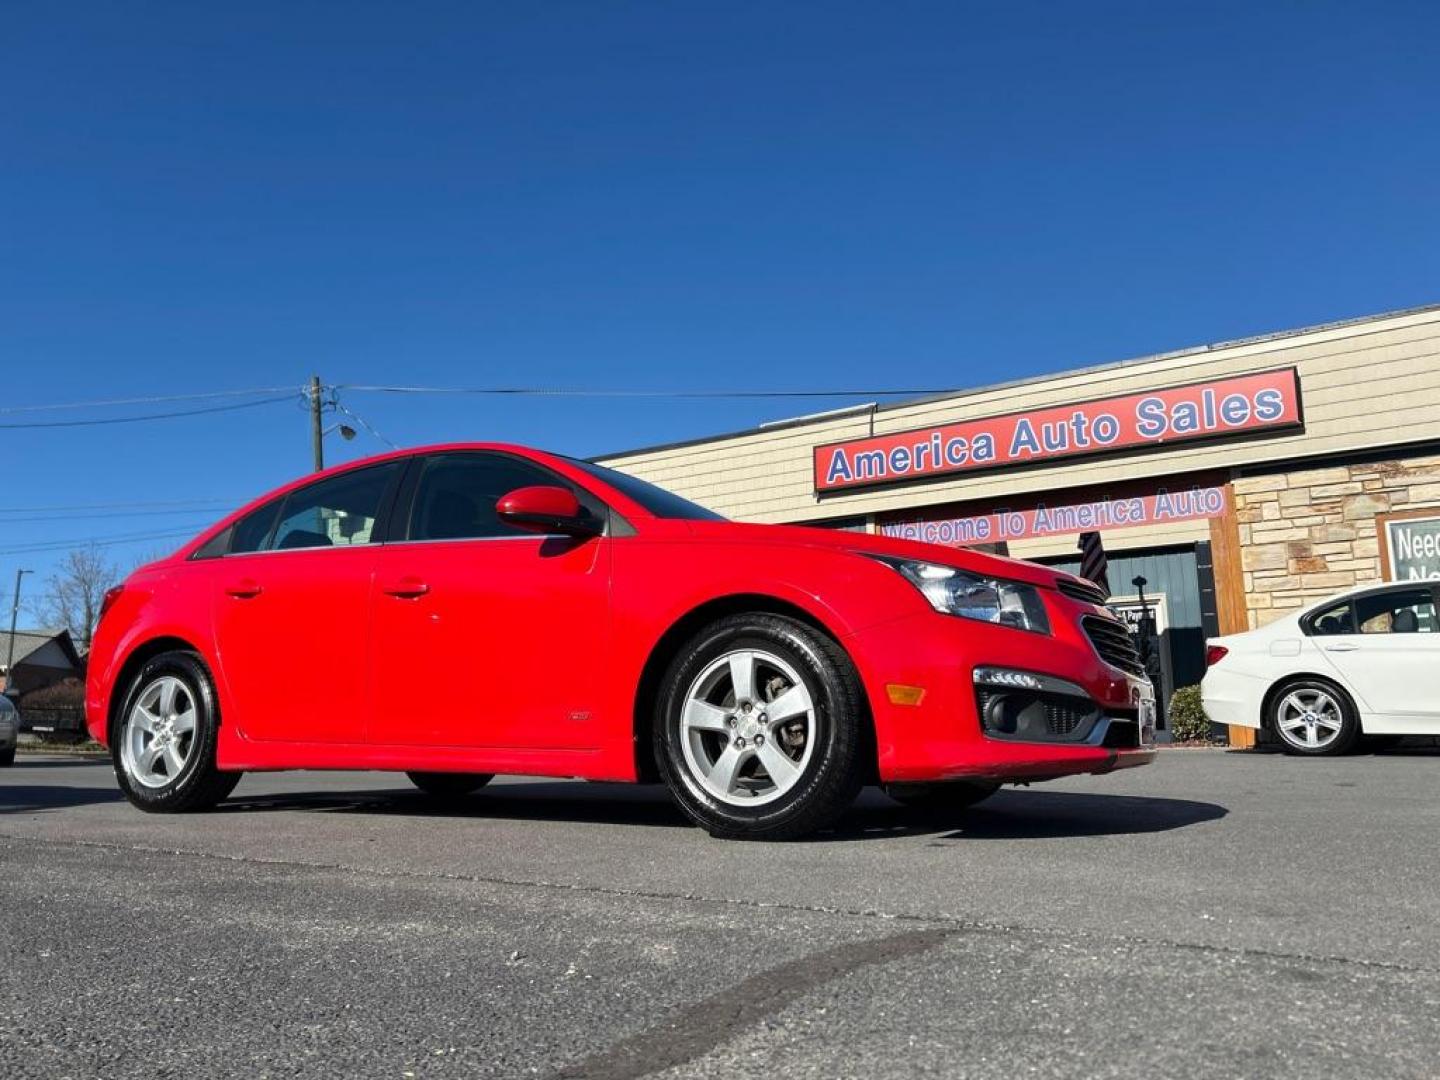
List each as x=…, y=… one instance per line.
x=1412, y=546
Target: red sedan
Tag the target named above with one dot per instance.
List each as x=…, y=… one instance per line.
x=459, y=611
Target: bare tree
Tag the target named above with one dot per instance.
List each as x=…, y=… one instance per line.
x=73, y=593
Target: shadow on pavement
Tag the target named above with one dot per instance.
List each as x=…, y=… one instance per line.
x=1031, y=815
x=1009, y=815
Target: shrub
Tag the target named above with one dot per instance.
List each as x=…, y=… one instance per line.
x=67, y=693
x=1188, y=722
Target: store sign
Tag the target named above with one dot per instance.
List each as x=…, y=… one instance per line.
x=1266, y=401
x=1413, y=544
x=1104, y=515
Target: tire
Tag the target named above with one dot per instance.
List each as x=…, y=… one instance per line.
x=7, y=758
x=449, y=785
x=716, y=742
x=942, y=797
x=170, y=701
x=1313, y=717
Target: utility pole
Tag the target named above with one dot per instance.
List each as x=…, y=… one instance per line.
x=14, y=615
x=316, y=432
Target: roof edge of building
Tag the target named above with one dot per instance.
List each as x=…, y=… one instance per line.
x=1090, y=369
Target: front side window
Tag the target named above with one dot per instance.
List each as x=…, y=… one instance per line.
x=456, y=495
x=338, y=512
x=1403, y=611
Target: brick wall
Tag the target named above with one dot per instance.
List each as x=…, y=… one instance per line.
x=1307, y=534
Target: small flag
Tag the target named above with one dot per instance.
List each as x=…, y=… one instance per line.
x=1093, y=565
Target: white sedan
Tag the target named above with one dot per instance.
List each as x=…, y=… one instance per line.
x=1366, y=662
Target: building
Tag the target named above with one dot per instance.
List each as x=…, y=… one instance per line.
x=1240, y=480
x=41, y=658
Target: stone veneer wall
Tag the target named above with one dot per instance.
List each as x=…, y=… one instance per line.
x=1307, y=534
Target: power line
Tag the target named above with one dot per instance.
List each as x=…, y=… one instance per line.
x=6, y=520
x=530, y=391
x=365, y=424
x=148, y=416
x=197, y=503
x=101, y=541
x=154, y=400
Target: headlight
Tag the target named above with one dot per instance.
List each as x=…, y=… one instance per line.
x=958, y=592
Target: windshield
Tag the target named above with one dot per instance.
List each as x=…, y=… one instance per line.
x=658, y=501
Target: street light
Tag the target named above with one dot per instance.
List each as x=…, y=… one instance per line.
x=14, y=615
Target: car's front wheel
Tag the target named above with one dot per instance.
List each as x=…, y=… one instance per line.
x=1313, y=717
x=760, y=728
x=162, y=740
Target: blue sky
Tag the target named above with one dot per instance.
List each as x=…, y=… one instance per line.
x=204, y=197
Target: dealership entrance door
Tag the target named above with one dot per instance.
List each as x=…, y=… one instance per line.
x=1180, y=597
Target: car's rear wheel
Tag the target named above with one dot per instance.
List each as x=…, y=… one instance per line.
x=760, y=728
x=163, y=738
x=1313, y=717
x=942, y=797
x=449, y=785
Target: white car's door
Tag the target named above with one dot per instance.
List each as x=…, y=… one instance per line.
x=1388, y=650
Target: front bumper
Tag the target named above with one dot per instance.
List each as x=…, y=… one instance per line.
x=946, y=735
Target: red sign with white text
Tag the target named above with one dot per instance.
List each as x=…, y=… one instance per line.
x=1269, y=400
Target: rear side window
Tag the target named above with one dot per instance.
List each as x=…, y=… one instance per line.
x=456, y=495
x=251, y=531
x=1404, y=611
x=338, y=512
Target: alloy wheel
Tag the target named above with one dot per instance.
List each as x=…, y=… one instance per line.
x=747, y=728
x=159, y=733
x=1309, y=719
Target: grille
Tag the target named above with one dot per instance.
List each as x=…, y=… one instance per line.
x=1114, y=644
x=1084, y=591
x=1064, y=717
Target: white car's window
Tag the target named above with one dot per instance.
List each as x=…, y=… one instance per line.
x=1409, y=611
x=1336, y=619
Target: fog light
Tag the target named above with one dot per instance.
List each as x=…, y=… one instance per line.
x=900, y=694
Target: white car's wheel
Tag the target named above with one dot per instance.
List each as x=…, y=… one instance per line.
x=1313, y=717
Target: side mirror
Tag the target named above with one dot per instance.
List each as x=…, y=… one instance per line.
x=546, y=509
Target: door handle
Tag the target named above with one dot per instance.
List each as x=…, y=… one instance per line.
x=406, y=588
x=1343, y=646
x=243, y=589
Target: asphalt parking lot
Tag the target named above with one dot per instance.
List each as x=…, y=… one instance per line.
x=1217, y=914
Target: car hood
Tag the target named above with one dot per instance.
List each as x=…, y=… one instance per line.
x=874, y=544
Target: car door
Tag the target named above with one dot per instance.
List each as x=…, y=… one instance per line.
x=1387, y=647
x=292, y=609
x=487, y=635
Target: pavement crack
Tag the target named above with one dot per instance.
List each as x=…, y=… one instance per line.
x=697, y=1029
x=953, y=923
